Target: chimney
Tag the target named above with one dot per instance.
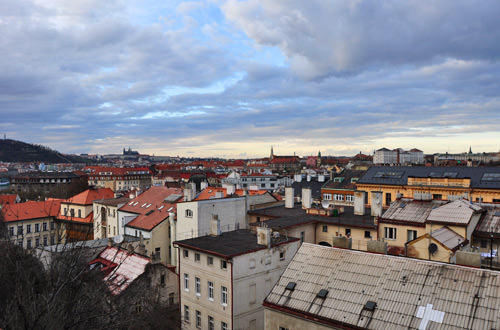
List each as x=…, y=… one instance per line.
x=219, y=194
x=203, y=185
x=376, y=209
x=215, y=226
x=308, y=178
x=264, y=236
x=187, y=194
x=289, y=198
x=141, y=248
x=229, y=188
x=321, y=178
x=306, y=198
x=193, y=190
x=298, y=177
x=359, y=203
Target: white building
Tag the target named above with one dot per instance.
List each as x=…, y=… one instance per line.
x=224, y=278
x=398, y=156
x=106, y=217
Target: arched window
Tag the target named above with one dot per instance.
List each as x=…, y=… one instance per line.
x=189, y=213
x=325, y=244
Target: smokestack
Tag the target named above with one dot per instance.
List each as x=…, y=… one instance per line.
x=264, y=236
x=376, y=209
x=359, y=203
x=306, y=198
x=289, y=198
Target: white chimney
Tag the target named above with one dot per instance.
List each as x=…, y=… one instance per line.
x=219, y=194
x=203, y=185
x=306, y=198
x=308, y=178
x=321, y=178
x=264, y=236
x=215, y=226
x=187, y=194
x=289, y=198
x=376, y=209
x=298, y=178
x=359, y=203
x=229, y=188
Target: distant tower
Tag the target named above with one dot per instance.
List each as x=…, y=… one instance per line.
x=272, y=154
x=470, y=149
x=318, y=160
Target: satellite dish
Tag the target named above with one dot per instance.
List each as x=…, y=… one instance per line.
x=433, y=248
x=118, y=239
x=325, y=204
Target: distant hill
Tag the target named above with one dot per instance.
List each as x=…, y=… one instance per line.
x=17, y=151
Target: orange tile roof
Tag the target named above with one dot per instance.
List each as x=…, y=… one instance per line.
x=31, y=210
x=88, y=219
x=154, y=198
x=149, y=220
x=90, y=195
x=8, y=199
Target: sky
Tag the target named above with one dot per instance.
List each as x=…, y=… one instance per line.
x=229, y=78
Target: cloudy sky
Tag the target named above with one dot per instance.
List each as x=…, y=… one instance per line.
x=231, y=78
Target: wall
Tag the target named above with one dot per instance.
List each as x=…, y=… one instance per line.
x=333, y=230
x=276, y=320
x=401, y=233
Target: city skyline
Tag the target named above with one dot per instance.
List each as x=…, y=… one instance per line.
x=231, y=78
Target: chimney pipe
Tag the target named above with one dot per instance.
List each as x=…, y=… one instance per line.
x=289, y=198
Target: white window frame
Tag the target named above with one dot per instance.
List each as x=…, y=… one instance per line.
x=186, y=313
x=186, y=282
x=338, y=197
x=327, y=197
x=223, y=295
x=390, y=233
x=349, y=198
x=210, y=289
x=197, y=286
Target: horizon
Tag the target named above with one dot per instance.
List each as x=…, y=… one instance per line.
x=230, y=78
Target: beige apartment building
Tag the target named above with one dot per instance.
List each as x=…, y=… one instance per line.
x=106, y=216
x=224, y=278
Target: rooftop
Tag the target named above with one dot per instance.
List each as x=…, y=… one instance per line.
x=410, y=210
x=89, y=196
x=154, y=198
x=231, y=244
x=31, y=210
x=459, y=211
x=385, y=292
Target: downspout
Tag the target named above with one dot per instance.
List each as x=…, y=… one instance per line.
x=232, y=301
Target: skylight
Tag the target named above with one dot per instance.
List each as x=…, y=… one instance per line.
x=388, y=175
x=491, y=177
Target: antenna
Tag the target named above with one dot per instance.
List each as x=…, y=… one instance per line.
x=325, y=204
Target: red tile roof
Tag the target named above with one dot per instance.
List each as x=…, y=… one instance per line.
x=154, y=198
x=31, y=210
x=211, y=192
x=88, y=219
x=95, y=170
x=90, y=195
x=8, y=199
x=149, y=220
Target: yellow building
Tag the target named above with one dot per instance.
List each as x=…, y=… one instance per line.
x=446, y=183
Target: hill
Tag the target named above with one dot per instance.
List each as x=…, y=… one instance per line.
x=17, y=151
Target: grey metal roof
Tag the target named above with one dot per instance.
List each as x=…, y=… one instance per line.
x=490, y=223
x=459, y=211
x=112, y=201
x=313, y=184
x=346, y=183
x=409, y=210
x=447, y=237
x=481, y=177
x=401, y=291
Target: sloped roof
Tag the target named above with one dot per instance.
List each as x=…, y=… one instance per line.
x=89, y=196
x=154, y=198
x=410, y=210
x=459, y=211
x=211, y=192
x=401, y=290
x=8, y=198
x=346, y=183
x=149, y=220
x=121, y=266
x=31, y=210
x=490, y=223
x=86, y=220
x=447, y=237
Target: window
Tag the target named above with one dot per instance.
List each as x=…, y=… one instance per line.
x=210, y=290
x=437, y=196
x=52, y=225
x=282, y=255
x=223, y=295
x=37, y=227
x=327, y=197
x=283, y=328
x=196, y=257
x=348, y=232
x=338, y=197
x=44, y=226
x=325, y=229
x=72, y=213
x=197, y=286
x=45, y=240
x=198, y=319
x=412, y=234
x=171, y=298
x=11, y=231
x=367, y=234
x=484, y=244
x=390, y=233
x=79, y=213
x=211, y=324
x=186, y=313
x=349, y=198
x=28, y=243
x=223, y=326
x=388, y=198
x=20, y=243
x=210, y=260
x=28, y=229
x=186, y=282
x=162, y=280
x=189, y=213
x=338, y=179
x=223, y=264
x=185, y=253
x=19, y=230
x=52, y=240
